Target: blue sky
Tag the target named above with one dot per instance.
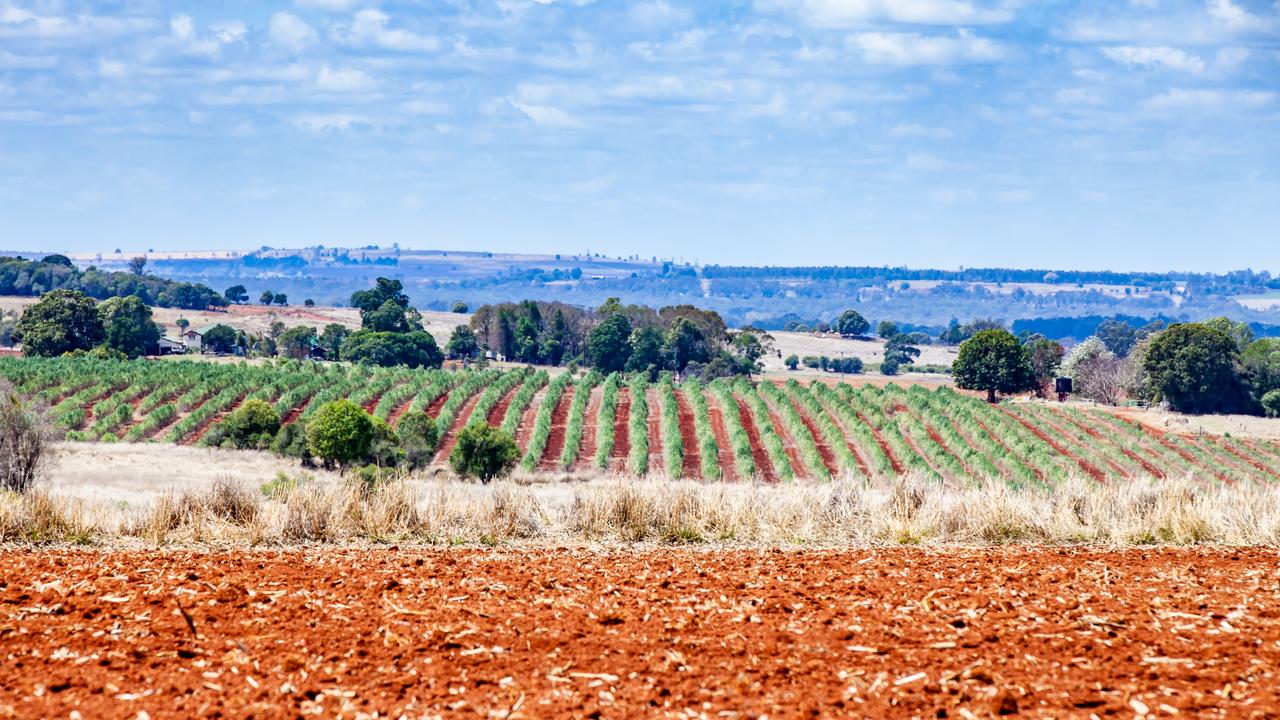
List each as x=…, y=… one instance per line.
x=938, y=133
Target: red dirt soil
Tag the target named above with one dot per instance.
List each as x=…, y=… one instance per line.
x=884, y=444
x=724, y=448
x=434, y=407
x=587, y=453
x=824, y=449
x=449, y=438
x=798, y=465
x=691, y=463
x=296, y=413
x=499, y=411
x=560, y=633
x=621, y=431
x=657, y=461
x=555, y=439
x=196, y=434
x=759, y=455
x=393, y=417
x=1062, y=417
x=524, y=431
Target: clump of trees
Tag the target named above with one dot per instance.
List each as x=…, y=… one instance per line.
x=68, y=321
x=995, y=362
x=484, y=452
x=391, y=331
x=20, y=276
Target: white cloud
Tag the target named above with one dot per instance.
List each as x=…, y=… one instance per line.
x=1168, y=57
x=855, y=13
x=903, y=48
x=9, y=60
x=545, y=115
x=320, y=122
x=913, y=130
x=658, y=14
x=330, y=5
x=1208, y=99
x=16, y=22
x=228, y=32
x=925, y=162
x=1010, y=197
x=369, y=28
x=1235, y=17
x=343, y=80
x=290, y=32
x=111, y=68
x=182, y=29
x=426, y=107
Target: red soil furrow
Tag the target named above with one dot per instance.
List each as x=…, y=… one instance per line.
x=550, y=459
x=393, y=417
x=587, y=453
x=1085, y=465
x=68, y=392
x=194, y=436
x=972, y=443
x=88, y=406
x=524, y=431
x=621, y=431
x=133, y=415
x=433, y=408
x=1093, y=433
x=1209, y=448
x=911, y=444
x=798, y=466
x=1251, y=461
x=450, y=437
x=656, y=458
x=824, y=448
x=1148, y=444
x=295, y=413
x=1159, y=436
x=848, y=439
x=894, y=460
x=1263, y=447
x=499, y=411
x=1003, y=446
x=1115, y=466
x=724, y=448
x=372, y=403
x=691, y=463
x=764, y=468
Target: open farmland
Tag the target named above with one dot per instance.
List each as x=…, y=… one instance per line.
x=731, y=430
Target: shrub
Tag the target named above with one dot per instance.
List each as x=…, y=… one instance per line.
x=291, y=441
x=484, y=452
x=792, y=362
x=24, y=441
x=253, y=425
x=1271, y=403
x=340, y=432
x=419, y=438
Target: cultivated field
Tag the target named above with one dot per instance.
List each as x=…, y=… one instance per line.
x=570, y=633
x=731, y=430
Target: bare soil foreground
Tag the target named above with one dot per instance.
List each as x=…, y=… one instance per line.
x=562, y=633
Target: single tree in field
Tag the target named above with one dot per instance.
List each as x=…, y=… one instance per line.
x=236, y=294
x=138, y=265
x=899, y=350
x=340, y=432
x=127, y=325
x=994, y=361
x=25, y=435
x=182, y=324
x=792, y=362
x=484, y=452
x=60, y=322
x=851, y=324
x=1192, y=366
x=219, y=339
x=266, y=298
x=296, y=342
x=281, y=299
x=460, y=307
x=309, y=303
x=887, y=329
x=1046, y=357
x=462, y=343
x=609, y=346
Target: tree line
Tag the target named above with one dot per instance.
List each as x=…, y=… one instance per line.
x=20, y=276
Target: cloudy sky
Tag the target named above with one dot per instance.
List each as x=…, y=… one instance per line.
x=1138, y=134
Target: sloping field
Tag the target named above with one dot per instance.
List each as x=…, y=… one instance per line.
x=561, y=633
x=726, y=429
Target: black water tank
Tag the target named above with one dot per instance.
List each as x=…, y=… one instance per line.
x=1062, y=385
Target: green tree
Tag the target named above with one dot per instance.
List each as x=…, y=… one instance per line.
x=266, y=298
x=138, y=265
x=219, y=339
x=331, y=339
x=609, y=346
x=994, y=361
x=127, y=324
x=236, y=294
x=460, y=307
x=1271, y=403
x=1192, y=366
x=419, y=438
x=685, y=343
x=1240, y=332
x=390, y=317
x=296, y=342
x=1261, y=362
x=646, y=352
x=887, y=329
x=340, y=432
x=749, y=345
x=62, y=321
x=484, y=452
x=281, y=299
x=385, y=349
x=792, y=362
x=899, y=350
x=462, y=343
x=1118, y=335
x=851, y=324
x=1045, y=356
x=253, y=425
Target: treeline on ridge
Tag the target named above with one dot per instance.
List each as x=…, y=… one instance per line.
x=21, y=276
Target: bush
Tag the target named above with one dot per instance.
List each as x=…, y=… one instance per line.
x=419, y=438
x=24, y=441
x=1271, y=403
x=484, y=452
x=253, y=425
x=291, y=441
x=792, y=362
x=340, y=432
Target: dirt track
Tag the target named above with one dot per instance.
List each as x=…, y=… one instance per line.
x=902, y=633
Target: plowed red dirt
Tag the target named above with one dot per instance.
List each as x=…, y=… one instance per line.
x=657, y=464
x=759, y=455
x=724, y=448
x=691, y=464
x=824, y=449
x=499, y=411
x=621, y=431
x=673, y=633
x=555, y=439
x=449, y=438
x=587, y=452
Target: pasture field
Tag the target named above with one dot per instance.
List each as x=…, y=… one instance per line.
x=726, y=429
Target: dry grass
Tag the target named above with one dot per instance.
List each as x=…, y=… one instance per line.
x=845, y=512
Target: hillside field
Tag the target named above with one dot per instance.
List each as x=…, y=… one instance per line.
x=732, y=430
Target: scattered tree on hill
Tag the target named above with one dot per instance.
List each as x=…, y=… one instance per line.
x=127, y=326
x=281, y=299
x=1192, y=366
x=460, y=307
x=57, y=259
x=1118, y=335
x=851, y=324
x=792, y=362
x=898, y=351
x=138, y=265
x=219, y=339
x=236, y=294
x=994, y=361
x=266, y=298
x=340, y=432
x=309, y=303
x=62, y=321
x=484, y=452
x=887, y=329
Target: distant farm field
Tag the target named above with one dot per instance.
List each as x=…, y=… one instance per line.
x=731, y=430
